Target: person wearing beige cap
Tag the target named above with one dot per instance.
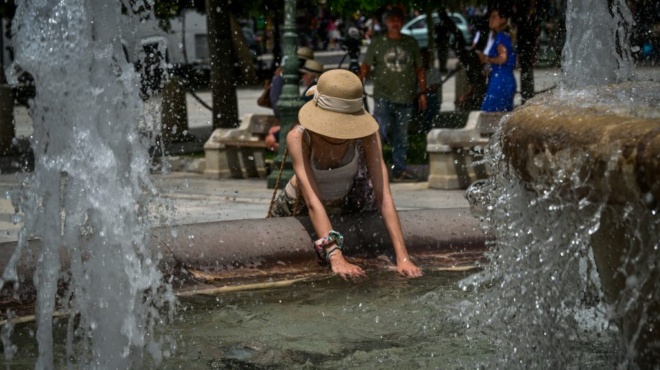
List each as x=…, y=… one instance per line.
x=339, y=169
x=304, y=53
x=309, y=73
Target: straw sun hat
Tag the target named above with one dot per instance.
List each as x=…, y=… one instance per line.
x=337, y=110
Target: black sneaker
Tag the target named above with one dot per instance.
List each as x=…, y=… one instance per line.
x=405, y=176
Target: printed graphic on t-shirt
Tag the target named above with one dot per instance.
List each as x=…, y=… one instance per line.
x=396, y=59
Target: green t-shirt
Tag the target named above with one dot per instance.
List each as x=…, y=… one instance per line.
x=394, y=63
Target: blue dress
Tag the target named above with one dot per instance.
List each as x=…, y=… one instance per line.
x=501, y=82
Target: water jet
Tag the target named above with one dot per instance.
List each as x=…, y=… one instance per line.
x=573, y=205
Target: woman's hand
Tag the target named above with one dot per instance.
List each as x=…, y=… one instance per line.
x=482, y=57
x=271, y=141
x=405, y=267
x=344, y=269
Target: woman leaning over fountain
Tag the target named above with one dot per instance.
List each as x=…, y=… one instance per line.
x=339, y=169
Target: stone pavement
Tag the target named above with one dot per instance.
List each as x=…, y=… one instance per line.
x=196, y=199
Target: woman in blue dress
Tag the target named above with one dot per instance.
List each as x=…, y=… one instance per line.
x=502, y=60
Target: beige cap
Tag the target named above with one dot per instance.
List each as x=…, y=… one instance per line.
x=312, y=66
x=305, y=53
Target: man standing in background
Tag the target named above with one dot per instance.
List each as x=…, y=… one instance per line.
x=396, y=65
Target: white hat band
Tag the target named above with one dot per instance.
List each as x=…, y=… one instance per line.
x=335, y=104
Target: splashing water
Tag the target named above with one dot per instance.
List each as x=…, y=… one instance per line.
x=542, y=243
x=547, y=292
x=87, y=198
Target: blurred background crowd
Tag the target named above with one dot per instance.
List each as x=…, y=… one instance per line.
x=322, y=29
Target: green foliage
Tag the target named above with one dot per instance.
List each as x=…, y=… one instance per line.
x=347, y=7
x=416, y=150
x=166, y=9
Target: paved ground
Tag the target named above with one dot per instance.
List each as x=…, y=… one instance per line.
x=197, y=199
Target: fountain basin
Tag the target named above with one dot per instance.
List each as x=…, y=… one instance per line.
x=536, y=136
x=603, y=151
x=267, y=249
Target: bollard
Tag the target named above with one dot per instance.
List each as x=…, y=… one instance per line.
x=174, y=116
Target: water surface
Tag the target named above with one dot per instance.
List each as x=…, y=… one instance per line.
x=382, y=322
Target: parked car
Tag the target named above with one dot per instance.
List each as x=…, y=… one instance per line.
x=418, y=30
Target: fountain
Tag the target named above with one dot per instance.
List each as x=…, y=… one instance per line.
x=574, y=204
x=84, y=208
x=88, y=195
x=559, y=214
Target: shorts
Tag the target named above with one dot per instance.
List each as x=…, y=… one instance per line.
x=284, y=206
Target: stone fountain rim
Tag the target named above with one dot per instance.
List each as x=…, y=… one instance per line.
x=535, y=137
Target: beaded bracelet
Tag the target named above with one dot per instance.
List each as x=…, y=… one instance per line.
x=328, y=254
x=333, y=238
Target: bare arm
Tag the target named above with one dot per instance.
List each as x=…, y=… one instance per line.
x=502, y=55
x=501, y=58
x=385, y=202
x=305, y=182
x=364, y=71
x=421, y=80
x=270, y=141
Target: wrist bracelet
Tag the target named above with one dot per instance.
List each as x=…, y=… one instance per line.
x=328, y=254
x=333, y=238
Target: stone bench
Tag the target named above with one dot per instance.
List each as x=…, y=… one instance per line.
x=239, y=152
x=454, y=153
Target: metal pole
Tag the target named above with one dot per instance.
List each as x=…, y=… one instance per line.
x=290, y=101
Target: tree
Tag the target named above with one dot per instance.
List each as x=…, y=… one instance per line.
x=222, y=53
x=527, y=16
x=223, y=82
x=7, y=11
